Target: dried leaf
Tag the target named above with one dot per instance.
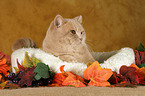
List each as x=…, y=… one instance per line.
x=11, y=86
x=140, y=54
x=2, y=78
x=21, y=68
x=73, y=82
x=58, y=79
x=4, y=67
x=115, y=78
x=97, y=75
x=26, y=77
x=27, y=61
x=35, y=61
x=3, y=84
x=1, y=55
x=67, y=79
x=3, y=62
x=130, y=74
x=124, y=84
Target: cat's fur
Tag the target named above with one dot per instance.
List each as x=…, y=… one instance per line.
x=24, y=42
x=65, y=38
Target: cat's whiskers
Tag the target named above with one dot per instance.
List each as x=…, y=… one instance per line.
x=90, y=44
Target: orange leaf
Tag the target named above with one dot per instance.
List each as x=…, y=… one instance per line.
x=141, y=72
x=58, y=78
x=73, y=82
x=67, y=78
x=134, y=65
x=62, y=68
x=98, y=76
x=4, y=67
x=3, y=84
x=2, y=62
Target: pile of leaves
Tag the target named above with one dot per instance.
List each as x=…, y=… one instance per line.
x=33, y=73
x=30, y=73
x=94, y=75
x=134, y=74
x=4, y=66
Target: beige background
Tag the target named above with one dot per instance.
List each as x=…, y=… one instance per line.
x=109, y=24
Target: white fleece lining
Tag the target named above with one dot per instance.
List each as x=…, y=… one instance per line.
x=125, y=56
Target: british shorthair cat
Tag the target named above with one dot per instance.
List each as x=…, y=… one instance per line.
x=65, y=38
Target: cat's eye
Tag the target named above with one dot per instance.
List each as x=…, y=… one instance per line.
x=73, y=31
x=81, y=32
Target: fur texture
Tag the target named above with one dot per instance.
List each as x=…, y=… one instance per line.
x=124, y=56
x=23, y=43
x=66, y=38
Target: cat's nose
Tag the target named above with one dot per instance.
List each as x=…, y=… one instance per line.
x=81, y=39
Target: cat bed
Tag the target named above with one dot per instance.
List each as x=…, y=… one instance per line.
x=124, y=56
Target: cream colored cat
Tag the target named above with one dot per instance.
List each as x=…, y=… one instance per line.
x=65, y=38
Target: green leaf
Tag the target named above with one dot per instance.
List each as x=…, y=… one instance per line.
x=141, y=65
x=27, y=61
x=37, y=77
x=141, y=47
x=41, y=70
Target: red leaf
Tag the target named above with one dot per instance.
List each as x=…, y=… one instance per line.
x=130, y=74
x=1, y=55
x=26, y=77
x=115, y=78
x=137, y=57
x=142, y=54
x=21, y=68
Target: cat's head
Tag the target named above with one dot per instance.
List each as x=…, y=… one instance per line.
x=69, y=29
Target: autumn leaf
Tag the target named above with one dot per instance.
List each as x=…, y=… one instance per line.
x=27, y=61
x=98, y=76
x=20, y=67
x=3, y=84
x=4, y=67
x=1, y=55
x=35, y=61
x=42, y=71
x=26, y=77
x=11, y=86
x=140, y=55
x=130, y=74
x=70, y=80
x=115, y=78
x=67, y=78
x=58, y=79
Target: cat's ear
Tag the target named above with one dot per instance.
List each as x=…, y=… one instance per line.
x=79, y=18
x=58, y=21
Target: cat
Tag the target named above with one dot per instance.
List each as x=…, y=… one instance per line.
x=23, y=42
x=65, y=38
